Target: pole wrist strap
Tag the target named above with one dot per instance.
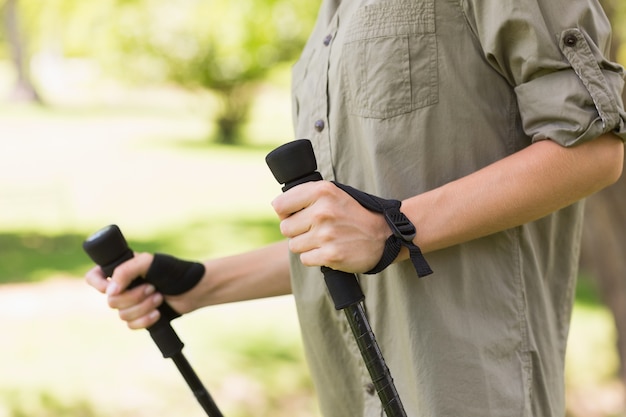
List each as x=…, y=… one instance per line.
x=403, y=231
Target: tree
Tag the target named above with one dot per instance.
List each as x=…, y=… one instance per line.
x=224, y=46
x=24, y=90
x=604, y=237
x=227, y=47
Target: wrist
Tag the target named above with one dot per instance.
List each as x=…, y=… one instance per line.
x=198, y=296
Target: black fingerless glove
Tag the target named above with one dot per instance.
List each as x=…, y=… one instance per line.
x=173, y=276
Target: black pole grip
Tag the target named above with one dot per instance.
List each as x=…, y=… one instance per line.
x=108, y=248
x=292, y=164
x=343, y=287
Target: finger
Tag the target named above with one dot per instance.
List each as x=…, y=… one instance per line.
x=316, y=208
x=316, y=257
x=96, y=279
x=144, y=322
x=298, y=198
x=127, y=272
x=142, y=311
x=130, y=297
x=295, y=225
x=302, y=244
x=331, y=259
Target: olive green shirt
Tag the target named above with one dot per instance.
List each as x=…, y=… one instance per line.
x=402, y=96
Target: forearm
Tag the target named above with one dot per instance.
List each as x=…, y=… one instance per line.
x=523, y=187
x=257, y=274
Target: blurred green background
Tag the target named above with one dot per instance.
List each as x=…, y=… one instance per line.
x=157, y=116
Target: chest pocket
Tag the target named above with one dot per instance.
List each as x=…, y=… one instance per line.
x=389, y=62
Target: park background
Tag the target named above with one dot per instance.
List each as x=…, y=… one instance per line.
x=157, y=116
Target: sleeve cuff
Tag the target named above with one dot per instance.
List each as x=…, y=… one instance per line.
x=575, y=104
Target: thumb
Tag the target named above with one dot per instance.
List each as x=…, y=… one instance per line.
x=127, y=272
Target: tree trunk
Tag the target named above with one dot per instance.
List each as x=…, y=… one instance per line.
x=24, y=90
x=604, y=239
x=235, y=104
x=604, y=255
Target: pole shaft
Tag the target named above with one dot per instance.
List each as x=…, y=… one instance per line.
x=374, y=361
x=199, y=391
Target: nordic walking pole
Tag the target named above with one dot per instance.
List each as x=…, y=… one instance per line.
x=108, y=249
x=293, y=164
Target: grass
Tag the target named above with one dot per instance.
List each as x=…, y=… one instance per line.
x=66, y=171
x=76, y=359
x=30, y=256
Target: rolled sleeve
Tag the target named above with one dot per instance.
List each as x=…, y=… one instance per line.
x=554, y=53
x=575, y=104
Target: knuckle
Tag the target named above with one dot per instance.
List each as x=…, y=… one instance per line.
x=144, y=258
x=323, y=213
x=333, y=258
x=325, y=188
x=326, y=235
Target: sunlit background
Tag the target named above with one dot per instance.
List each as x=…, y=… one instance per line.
x=157, y=115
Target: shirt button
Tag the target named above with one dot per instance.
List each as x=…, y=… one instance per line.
x=570, y=40
x=327, y=39
x=370, y=389
x=319, y=125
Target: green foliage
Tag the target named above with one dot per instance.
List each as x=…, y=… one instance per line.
x=47, y=405
x=220, y=45
x=168, y=190
x=216, y=43
x=30, y=257
x=69, y=355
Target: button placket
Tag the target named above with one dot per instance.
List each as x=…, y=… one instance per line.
x=319, y=124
